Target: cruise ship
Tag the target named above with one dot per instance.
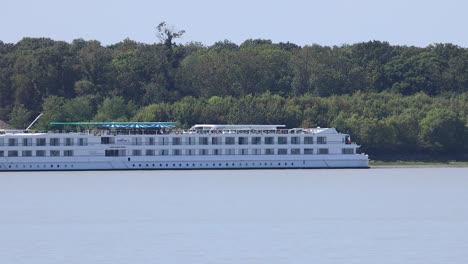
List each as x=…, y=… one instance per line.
x=162, y=146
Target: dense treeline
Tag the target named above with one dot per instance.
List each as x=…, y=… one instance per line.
x=393, y=99
x=384, y=123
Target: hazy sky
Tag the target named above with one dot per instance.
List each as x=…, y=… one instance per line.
x=326, y=22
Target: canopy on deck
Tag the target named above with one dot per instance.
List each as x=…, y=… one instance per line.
x=128, y=125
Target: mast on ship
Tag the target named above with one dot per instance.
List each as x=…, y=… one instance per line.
x=33, y=122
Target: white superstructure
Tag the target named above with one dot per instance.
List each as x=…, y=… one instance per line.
x=147, y=146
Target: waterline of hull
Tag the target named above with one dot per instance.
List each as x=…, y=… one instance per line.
x=171, y=163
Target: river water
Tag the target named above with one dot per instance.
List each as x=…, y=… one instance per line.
x=379, y=215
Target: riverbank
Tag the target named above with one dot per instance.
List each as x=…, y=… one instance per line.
x=378, y=163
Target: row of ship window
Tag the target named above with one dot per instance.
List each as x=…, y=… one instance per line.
x=190, y=152
x=165, y=141
x=203, y=152
x=176, y=152
x=43, y=142
x=217, y=140
x=37, y=153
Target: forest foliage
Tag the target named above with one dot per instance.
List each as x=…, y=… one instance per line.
x=392, y=99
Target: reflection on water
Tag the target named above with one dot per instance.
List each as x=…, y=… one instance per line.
x=389, y=215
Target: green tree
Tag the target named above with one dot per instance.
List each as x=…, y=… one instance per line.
x=84, y=87
x=95, y=65
x=20, y=117
x=372, y=56
x=114, y=109
x=78, y=109
x=6, y=89
x=126, y=66
x=153, y=112
x=210, y=73
x=442, y=130
x=187, y=111
x=173, y=55
x=52, y=109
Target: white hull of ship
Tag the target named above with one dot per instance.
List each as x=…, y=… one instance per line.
x=185, y=162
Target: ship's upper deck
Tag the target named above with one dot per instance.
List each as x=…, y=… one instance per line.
x=136, y=128
x=255, y=129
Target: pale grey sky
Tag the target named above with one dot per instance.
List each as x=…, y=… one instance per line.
x=325, y=22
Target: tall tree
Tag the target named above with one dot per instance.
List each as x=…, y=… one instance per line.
x=173, y=55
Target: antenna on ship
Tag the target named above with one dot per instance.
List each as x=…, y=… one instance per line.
x=33, y=122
